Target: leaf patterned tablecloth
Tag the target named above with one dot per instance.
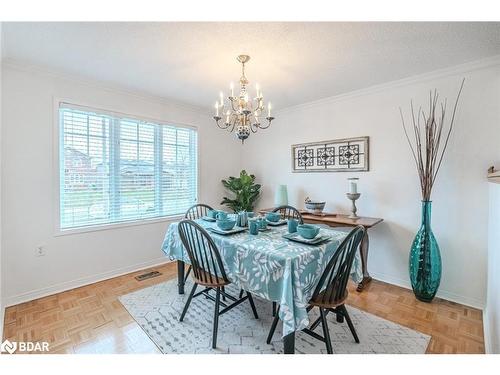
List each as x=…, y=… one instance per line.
x=271, y=266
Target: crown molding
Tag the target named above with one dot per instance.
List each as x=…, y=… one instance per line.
x=110, y=87
x=420, y=78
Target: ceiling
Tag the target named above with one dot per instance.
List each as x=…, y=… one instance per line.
x=293, y=62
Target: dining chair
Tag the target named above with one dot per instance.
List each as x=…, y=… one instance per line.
x=208, y=271
x=289, y=212
x=331, y=292
x=194, y=212
x=197, y=211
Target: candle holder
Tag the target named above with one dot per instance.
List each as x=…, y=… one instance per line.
x=353, y=197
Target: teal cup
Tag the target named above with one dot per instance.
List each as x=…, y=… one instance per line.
x=253, y=227
x=221, y=215
x=292, y=225
x=212, y=214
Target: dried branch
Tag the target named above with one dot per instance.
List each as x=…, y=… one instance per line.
x=426, y=148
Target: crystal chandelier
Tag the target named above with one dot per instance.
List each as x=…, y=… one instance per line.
x=240, y=112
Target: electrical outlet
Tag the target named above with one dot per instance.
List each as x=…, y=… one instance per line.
x=40, y=251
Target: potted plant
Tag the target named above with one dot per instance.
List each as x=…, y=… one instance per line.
x=245, y=189
x=428, y=141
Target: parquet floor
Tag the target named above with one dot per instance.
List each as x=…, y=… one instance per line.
x=90, y=319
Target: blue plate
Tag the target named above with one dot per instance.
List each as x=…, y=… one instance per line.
x=226, y=232
x=313, y=241
x=276, y=223
x=208, y=218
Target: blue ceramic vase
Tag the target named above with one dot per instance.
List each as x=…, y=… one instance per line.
x=425, y=259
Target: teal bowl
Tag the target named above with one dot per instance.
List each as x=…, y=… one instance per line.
x=308, y=231
x=226, y=224
x=273, y=217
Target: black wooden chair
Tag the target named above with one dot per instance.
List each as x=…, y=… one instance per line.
x=194, y=212
x=331, y=292
x=289, y=212
x=197, y=211
x=208, y=271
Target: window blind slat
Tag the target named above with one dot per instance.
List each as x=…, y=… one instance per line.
x=115, y=169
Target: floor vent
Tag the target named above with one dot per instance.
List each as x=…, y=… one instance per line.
x=148, y=275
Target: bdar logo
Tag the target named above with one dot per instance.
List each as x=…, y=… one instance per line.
x=9, y=347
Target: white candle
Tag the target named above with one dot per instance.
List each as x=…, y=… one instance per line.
x=269, y=109
x=216, y=108
x=227, y=117
x=257, y=90
x=221, y=98
x=353, y=187
x=232, y=89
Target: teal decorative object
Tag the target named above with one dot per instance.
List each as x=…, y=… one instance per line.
x=281, y=196
x=425, y=259
x=308, y=231
x=430, y=132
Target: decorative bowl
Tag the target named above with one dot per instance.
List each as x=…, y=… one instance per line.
x=221, y=215
x=308, y=231
x=226, y=224
x=316, y=207
x=273, y=217
x=212, y=214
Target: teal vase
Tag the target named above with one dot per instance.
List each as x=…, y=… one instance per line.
x=425, y=259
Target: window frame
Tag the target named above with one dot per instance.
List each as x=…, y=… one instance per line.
x=58, y=231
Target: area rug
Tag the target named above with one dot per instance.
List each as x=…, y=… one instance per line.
x=157, y=310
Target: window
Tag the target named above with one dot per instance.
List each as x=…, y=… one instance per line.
x=115, y=168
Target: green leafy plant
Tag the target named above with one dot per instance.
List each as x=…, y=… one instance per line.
x=245, y=189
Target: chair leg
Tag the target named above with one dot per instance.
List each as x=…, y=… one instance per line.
x=216, y=319
x=187, y=273
x=188, y=302
x=250, y=299
x=349, y=323
x=326, y=332
x=241, y=293
x=223, y=296
x=273, y=326
x=274, y=308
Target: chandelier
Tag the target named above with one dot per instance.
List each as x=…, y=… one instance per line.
x=240, y=112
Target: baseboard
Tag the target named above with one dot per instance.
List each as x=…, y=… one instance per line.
x=444, y=294
x=62, y=287
x=486, y=333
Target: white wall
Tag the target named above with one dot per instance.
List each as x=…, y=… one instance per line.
x=492, y=311
x=28, y=183
x=390, y=189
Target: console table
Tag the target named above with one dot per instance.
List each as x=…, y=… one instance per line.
x=340, y=220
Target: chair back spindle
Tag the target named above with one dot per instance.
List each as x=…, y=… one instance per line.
x=289, y=212
x=197, y=211
x=203, y=254
x=332, y=286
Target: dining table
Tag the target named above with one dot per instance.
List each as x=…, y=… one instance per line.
x=269, y=266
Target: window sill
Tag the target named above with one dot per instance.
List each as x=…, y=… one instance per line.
x=165, y=219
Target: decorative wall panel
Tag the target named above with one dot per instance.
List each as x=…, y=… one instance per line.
x=339, y=155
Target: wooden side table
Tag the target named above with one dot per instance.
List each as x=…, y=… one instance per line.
x=340, y=220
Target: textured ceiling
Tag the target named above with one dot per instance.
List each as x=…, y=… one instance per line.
x=293, y=62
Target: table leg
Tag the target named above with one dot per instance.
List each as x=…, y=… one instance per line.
x=363, y=250
x=180, y=276
x=289, y=343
